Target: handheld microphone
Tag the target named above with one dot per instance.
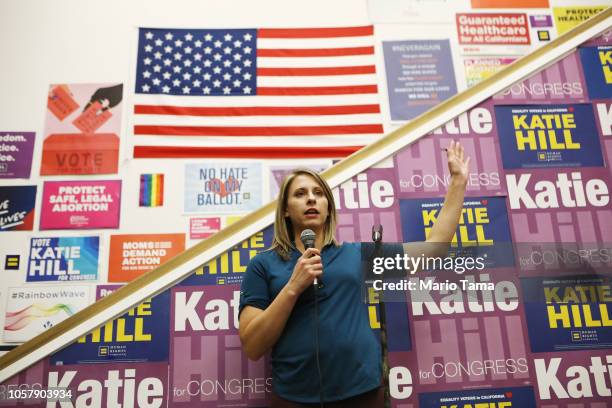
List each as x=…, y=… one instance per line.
x=377, y=232
x=308, y=240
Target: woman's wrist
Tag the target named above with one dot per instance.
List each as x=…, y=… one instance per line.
x=459, y=180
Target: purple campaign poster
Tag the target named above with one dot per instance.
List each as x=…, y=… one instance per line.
x=207, y=365
x=16, y=154
x=420, y=75
x=464, y=338
x=112, y=385
x=553, y=205
x=367, y=200
x=422, y=169
x=577, y=379
x=561, y=82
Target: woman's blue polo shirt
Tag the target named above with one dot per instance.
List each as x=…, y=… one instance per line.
x=349, y=351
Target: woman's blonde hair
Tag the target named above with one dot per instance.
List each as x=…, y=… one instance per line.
x=282, y=242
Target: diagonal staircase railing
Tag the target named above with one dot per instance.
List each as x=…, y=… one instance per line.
x=178, y=268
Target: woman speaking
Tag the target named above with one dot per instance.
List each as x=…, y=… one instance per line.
x=323, y=350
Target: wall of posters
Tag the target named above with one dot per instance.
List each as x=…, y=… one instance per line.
x=81, y=204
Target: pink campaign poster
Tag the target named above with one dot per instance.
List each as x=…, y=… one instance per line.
x=81, y=204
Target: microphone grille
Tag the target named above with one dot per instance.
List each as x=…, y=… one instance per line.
x=307, y=237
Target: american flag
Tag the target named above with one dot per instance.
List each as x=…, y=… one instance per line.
x=302, y=92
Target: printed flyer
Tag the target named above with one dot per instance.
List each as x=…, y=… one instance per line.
x=81, y=204
x=82, y=128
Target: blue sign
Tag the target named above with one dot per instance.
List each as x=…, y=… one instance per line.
x=568, y=313
x=483, y=229
x=17, y=208
x=140, y=335
x=597, y=66
x=522, y=397
x=63, y=259
x=534, y=136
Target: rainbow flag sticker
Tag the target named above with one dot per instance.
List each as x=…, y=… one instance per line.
x=151, y=190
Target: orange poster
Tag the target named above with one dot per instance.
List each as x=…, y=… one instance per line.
x=134, y=254
x=510, y=4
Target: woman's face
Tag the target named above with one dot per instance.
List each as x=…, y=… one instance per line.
x=307, y=205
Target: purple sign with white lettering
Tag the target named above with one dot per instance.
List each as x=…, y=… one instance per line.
x=366, y=200
x=16, y=154
x=561, y=82
x=422, y=168
x=560, y=205
x=207, y=365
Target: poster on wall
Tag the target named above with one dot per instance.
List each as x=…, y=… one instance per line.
x=278, y=174
x=488, y=397
x=597, y=64
x=561, y=82
x=63, y=259
x=420, y=75
x=522, y=4
x=560, y=205
x=222, y=188
x=464, y=339
x=478, y=69
x=422, y=167
x=17, y=208
x=16, y=150
x=81, y=204
x=366, y=200
x=203, y=227
x=411, y=11
x=132, y=255
x=534, y=136
x=32, y=310
x=568, y=312
x=483, y=229
x=493, y=33
x=229, y=267
x=111, y=384
x=567, y=18
x=140, y=335
x=206, y=352
x=82, y=128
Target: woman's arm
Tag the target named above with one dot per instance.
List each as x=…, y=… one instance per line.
x=260, y=329
x=444, y=228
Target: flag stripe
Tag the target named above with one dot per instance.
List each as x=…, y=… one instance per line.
x=315, y=80
x=260, y=121
x=255, y=130
x=363, y=69
x=266, y=152
x=255, y=110
x=247, y=101
x=315, y=52
x=318, y=90
x=314, y=32
x=307, y=62
x=333, y=42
